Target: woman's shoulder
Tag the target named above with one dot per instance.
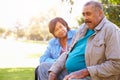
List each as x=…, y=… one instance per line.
x=52, y=41
x=72, y=31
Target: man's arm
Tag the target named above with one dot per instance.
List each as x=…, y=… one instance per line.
x=59, y=64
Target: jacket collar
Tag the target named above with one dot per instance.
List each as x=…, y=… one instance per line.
x=101, y=24
x=70, y=34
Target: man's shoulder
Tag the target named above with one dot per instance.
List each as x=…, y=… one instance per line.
x=111, y=26
x=82, y=26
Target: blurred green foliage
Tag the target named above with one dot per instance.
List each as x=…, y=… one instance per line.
x=112, y=10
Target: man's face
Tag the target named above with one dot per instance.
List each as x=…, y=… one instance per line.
x=91, y=16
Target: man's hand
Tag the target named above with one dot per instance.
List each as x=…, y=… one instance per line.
x=52, y=76
x=77, y=74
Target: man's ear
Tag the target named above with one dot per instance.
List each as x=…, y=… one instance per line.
x=100, y=12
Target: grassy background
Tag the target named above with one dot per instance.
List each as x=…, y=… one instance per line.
x=16, y=73
x=26, y=73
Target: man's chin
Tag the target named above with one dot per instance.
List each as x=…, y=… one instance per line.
x=90, y=27
x=88, y=24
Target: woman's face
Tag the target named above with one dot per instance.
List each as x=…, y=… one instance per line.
x=60, y=30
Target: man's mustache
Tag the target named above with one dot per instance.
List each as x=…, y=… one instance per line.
x=87, y=21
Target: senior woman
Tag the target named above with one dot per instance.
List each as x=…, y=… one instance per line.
x=62, y=33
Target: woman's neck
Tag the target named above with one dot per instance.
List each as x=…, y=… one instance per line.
x=63, y=42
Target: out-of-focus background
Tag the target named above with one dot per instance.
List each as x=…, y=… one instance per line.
x=24, y=31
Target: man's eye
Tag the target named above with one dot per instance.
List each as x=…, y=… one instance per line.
x=88, y=14
x=83, y=14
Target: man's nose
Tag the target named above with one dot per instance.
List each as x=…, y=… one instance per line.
x=85, y=17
